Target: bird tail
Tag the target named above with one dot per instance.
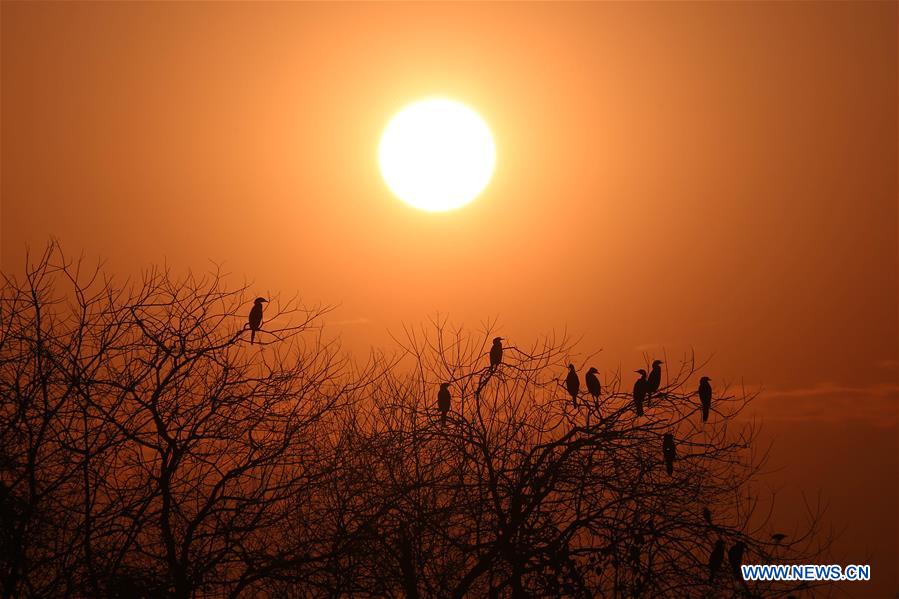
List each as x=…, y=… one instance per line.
x=252, y=336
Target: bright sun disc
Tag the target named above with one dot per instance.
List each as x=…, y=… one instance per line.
x=437, y=154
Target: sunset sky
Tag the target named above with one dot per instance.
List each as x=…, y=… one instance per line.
x=721, y=177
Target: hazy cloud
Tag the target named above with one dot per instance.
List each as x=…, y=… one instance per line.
x=829, y=388
x=877, y=405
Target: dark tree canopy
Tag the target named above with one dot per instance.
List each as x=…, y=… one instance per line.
x=147, y=449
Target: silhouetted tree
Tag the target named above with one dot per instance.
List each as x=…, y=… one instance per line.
x=518, y=496
x=147, y=449
x=145, y=444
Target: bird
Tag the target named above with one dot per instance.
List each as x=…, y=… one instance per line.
x=593, y=385
x=716, y=558
x=496, y=352
x=255, y=319
x=707, y=516
x=705, y=397
x=735, y=557
x=443, y=401
x=655, y=377
x=640, y=391
x=778, y=537
x=573, y=384
x=669, y=452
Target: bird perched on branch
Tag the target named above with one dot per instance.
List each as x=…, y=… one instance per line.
x=655, y=378
x=640, y=391
x=716, y=558
x=705, y=397
x=443, y=401
x=669, y=452
x=593, y=385
x=255, y=319
x=496, y=352
x=735, y=557
x=573, y=384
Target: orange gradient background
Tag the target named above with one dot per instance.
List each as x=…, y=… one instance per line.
x=716, y=176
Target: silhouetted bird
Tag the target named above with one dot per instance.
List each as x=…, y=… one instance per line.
x=669, y=452
x=716, y=558
x=707, y=516
x=778, y=537
x=640, y=391
x=655, y=377
x=735, y=557
x=573, y=384
x=443, y=401
x=496, y=352
x=705, y=397
x=593, y=385
x=255, y=318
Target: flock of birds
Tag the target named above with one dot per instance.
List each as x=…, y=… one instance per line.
x=644, y=388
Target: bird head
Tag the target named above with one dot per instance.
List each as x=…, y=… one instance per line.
x=571, y=367
x=656, y=363
x=592, y=370
x=497, y=340
x=444, y=385
x=641, y=371
x=260, y=300
x=704, y=379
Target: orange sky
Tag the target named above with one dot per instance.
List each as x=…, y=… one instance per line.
x=717, y=176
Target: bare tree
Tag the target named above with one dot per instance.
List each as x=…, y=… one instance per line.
x=146, y=445
x=147, y=449
x=521, y=494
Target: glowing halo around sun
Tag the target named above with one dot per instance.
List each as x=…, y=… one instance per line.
x=437, y=154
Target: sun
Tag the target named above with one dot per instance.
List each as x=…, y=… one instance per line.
x=437, y=154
